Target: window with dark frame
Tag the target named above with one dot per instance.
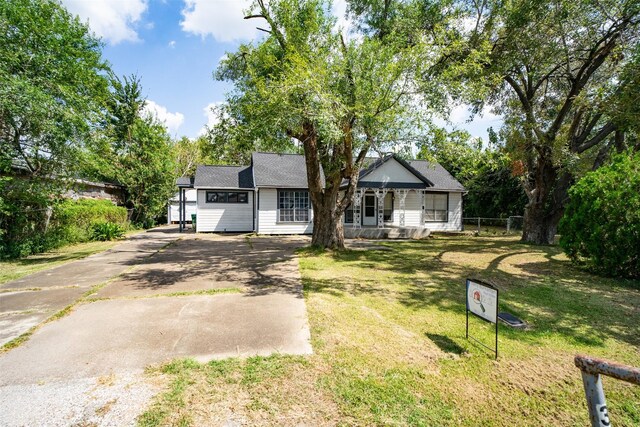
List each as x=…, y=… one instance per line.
x=227, y=197
x=435, y=207
x=293, y=206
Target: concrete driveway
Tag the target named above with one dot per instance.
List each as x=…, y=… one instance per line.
x=203, y=296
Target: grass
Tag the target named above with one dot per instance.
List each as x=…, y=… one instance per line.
x=388, y=332
x=16, y=269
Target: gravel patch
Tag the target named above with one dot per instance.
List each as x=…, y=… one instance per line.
x=113, y=400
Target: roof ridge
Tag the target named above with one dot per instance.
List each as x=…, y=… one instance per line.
x=277, y=154
x=226, y=166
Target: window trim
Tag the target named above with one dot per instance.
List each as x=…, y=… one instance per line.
x=226, y=202
x=278, y=209
x=424, y=208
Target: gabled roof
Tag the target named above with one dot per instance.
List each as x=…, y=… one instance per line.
x=382, y=160
x=232, y=177
x=439, y=176
x=280, y=170
x=275, y=170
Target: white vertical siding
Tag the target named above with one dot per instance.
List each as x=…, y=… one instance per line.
x=224, y=217
x=268, y=216
x=174, y=213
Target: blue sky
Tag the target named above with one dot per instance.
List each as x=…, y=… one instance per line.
x=175, y=45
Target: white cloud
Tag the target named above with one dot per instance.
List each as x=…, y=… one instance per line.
x=172, y=44
x=113, y=20
x=221, y=19
x=171, y=120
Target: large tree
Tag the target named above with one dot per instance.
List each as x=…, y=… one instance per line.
x=135, y=150
x=563, y=75
x=307, y=85
x=52, y=87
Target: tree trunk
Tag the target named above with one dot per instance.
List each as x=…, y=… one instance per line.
x=328, y=231
x=538, y=228
x=544, y=209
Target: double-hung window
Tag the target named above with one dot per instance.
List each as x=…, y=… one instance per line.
x=293, y=206
x=435, y=207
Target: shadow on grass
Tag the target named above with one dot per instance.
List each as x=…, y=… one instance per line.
x=446, y=344
x=550, y=294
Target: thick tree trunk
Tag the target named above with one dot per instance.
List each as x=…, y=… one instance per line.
x=328, y=231
x=538, y=227
x=547, y=200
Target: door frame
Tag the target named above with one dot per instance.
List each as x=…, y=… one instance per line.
x=375, y=209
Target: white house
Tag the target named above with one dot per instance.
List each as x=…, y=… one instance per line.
x=270, y=196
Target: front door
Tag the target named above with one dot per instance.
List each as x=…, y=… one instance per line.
x=369, y=217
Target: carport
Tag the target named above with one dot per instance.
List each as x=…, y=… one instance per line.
x=183, y=183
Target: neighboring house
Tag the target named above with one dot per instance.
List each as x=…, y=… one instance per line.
x=270, y=196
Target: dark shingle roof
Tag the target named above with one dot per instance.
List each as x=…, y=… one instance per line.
x=223, y=177
x=184, y=181
x=280, y=170
x=434, y=172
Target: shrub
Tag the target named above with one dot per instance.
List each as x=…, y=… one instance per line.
x=104, y=231
x=73, y=219
x=38, y=228
x=601, y=223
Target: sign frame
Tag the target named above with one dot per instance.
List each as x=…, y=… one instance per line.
x=489, y=288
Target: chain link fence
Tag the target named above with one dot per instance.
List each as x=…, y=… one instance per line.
x=510, y=225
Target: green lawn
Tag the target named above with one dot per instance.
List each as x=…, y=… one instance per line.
x=388, y=331
x=15, y=269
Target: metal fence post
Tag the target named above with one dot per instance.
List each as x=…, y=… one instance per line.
x=592, y=371
x=595, y=400
x=508, y=225
x=478, y=224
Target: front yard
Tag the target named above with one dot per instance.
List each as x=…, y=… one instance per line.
x=388, y=332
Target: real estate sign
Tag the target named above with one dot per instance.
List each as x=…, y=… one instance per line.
x=482, y=300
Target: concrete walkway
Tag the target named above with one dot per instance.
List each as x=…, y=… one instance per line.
x=204, y=297
x=26, y=302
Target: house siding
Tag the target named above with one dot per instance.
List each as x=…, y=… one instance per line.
x=224, y=217
x=413, y=213
x=267, y=216
x=391, y=171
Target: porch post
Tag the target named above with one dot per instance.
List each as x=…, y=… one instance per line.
x=380, y=193
x=180, y=209
x=403, y=196
x=357, y=203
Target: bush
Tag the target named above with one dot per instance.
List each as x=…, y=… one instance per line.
x=601, y=224
x=39, y=228
x=104, y=231
x=73, y=219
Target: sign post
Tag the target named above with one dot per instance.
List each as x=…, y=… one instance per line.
x=482, y=301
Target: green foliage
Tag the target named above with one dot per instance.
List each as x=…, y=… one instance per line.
x=105, y=231
x=41, y=228
x=601, y=224
x=136, y=151
x=53, y=86
x=486, y=173
x=74, y=220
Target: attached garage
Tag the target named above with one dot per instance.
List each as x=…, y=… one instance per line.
x=225, y=199
x=225, y=210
